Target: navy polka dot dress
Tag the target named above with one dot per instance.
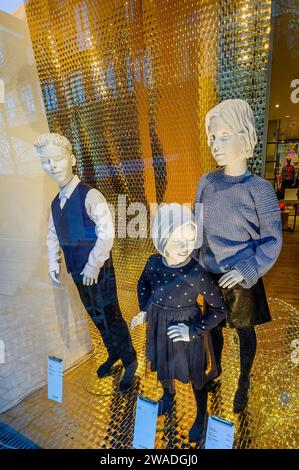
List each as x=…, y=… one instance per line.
x=169, y=296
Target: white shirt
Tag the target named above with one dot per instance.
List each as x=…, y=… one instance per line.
x=98, y=211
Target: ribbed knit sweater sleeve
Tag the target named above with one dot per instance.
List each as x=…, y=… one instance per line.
x=270, y=227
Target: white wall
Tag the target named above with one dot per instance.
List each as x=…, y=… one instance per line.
x=36, y=319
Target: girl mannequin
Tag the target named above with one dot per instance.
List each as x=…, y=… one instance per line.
x=167, y=291
x=242, y=231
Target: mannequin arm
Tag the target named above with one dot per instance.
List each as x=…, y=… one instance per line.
x=216, y=310
x=54, y=251
x=138, y=319
x=54, y=275
x=269, y=248
x=144, y=288
x=230, y=279
x=98, y=211
x=179, y=332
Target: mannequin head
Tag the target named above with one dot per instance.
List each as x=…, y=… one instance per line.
x=57, y=159
x=174, y=233
x=230, y=129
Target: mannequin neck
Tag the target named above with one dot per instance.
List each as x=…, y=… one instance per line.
x=65, y=184
x=236, y=168
x=170, y=262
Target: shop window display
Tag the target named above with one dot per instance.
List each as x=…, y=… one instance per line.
x=130, y=93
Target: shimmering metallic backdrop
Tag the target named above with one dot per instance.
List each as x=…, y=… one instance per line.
x=130, y=82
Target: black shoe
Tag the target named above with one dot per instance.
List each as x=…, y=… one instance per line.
x=106, y=367
x=241, y=395
x=197, y=431
x=128, y=377
x=165, y=404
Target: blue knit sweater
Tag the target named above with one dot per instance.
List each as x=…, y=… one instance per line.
x=241, y=224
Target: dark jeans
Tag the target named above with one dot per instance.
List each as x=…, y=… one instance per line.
x=101, y=303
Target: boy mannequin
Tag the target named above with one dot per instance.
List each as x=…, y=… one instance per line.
x=242, y=233
x=81, y=224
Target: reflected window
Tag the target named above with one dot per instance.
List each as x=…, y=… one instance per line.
x=76, y=84
x=27, y=98
x=1, y=57
x=50, y=96
x=130, y=9
x=10, y=106
x=147, y=69
x=129, y=75
x=111, y=77
x=82, y=23
x=99, y=80
x=139, y=68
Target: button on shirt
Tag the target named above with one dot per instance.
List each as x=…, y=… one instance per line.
x=98, y=211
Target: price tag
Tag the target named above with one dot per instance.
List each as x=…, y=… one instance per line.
x=220, y=433
x=145, y=423
x=55, y=369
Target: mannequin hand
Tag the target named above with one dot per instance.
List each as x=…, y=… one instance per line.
x=230, y=279
x=54, y=275
x=138, y=319
x=88, y=280
x=179, y=332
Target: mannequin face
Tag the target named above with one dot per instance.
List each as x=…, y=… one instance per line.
x=58, y=163
x=180, y=245
x=226, y=145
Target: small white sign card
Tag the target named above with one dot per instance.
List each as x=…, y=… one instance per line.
x=145, y=423
x=55, y=369
x=220, y=433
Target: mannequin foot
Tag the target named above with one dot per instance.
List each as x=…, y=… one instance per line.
x=128, y=377
x=197, y=431
x=165, y=404
x=106, y=367
x=241, y=395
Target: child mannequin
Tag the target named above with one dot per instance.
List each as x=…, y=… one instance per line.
x=242, y=233
x=167, y=291
x=81, y=224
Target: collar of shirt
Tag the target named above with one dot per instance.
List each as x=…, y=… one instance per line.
x=68, y=189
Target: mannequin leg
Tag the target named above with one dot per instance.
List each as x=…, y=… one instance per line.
x=217, y=340
x=196, y=433
x=166, y=402
x=247, y=338
x=101, y=303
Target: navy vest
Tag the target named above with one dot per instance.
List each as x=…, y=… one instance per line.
x=75, y=231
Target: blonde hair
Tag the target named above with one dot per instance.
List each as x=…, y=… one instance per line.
x=50, y=138
x=239, y=116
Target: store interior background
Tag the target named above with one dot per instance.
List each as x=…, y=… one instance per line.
x=109, y=79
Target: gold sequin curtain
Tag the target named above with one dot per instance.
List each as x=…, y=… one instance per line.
x=129, y=83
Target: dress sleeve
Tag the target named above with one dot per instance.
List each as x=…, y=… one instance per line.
x=270, y=228
x=216, y=307
x=144, y=288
